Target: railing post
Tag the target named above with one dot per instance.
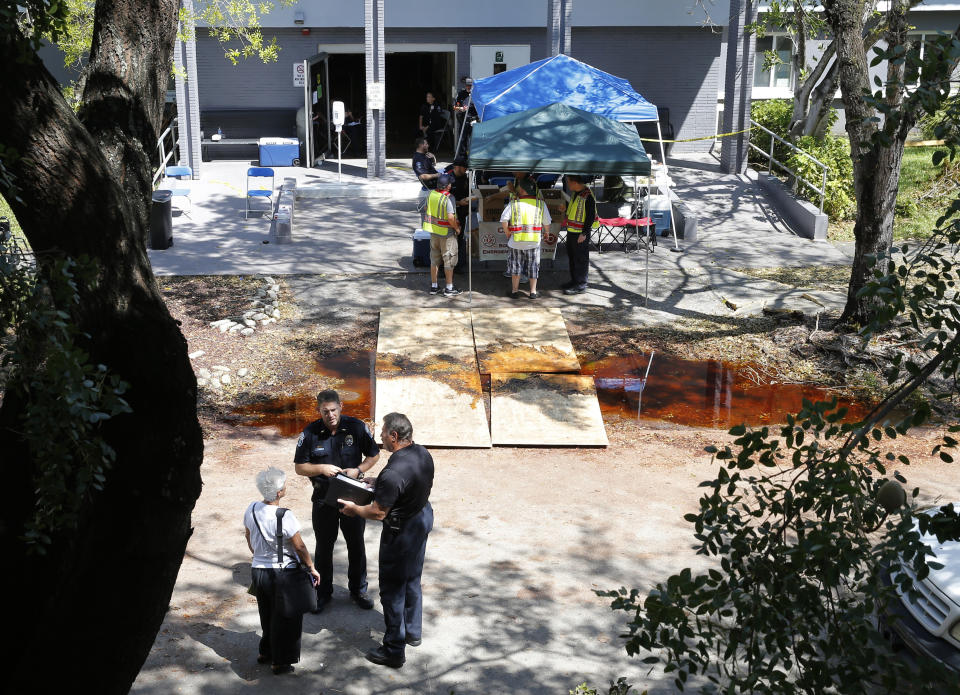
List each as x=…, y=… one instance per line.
x=770, y=159
x=823, y=189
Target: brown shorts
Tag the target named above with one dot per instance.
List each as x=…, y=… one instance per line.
x=443, y=248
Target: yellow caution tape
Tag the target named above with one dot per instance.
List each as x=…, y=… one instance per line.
x=706, y=137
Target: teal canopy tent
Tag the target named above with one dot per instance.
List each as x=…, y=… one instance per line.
x=557, y=138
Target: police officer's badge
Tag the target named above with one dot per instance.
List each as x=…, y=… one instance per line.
x=348, y=440
x=300, y=441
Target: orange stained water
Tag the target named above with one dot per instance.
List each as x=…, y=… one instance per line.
x=289, y=415
x=699, y=393
x=704, y=393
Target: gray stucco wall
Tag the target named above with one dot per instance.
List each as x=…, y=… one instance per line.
x=648, y=57
x=676, y=67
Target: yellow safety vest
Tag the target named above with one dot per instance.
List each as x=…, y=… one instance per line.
x=577, y=213
x=435, y=220
x=526, y=219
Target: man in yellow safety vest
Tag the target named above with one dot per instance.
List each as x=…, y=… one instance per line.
x=523, y=221
x=440, y=219
x=580, y=221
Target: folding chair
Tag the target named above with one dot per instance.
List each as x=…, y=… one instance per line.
x=547, y=180
x=258, y=173
x=177, y=173
x=609, y=224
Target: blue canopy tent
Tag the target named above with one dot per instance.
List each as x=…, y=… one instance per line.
x=562, y=79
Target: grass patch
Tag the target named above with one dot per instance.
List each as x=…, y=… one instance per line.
x=916, y=213
x=814, y=277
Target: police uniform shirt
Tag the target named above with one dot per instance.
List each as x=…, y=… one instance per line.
x=422, y=164
x=346, y=449
x=404, y=484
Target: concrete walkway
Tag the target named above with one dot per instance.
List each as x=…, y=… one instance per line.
x=358, y=232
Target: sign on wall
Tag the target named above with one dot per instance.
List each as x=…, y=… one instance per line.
x=375, y=95
x=299, y=75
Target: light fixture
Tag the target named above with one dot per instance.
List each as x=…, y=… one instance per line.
x=298, y=18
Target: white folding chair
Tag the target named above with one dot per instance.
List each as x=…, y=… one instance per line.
x=176, y=186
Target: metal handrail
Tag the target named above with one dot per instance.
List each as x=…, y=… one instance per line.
x=771, y=160
x=164, y=155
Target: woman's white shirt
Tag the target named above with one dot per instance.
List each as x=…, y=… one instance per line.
x=265, y=549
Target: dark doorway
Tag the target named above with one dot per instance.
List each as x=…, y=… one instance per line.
x=348, y=84
x=409, y=77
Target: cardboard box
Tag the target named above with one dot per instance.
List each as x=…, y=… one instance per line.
x=491, y=210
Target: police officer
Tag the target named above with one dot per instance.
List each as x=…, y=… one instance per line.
x=401, y=500
x=336, y=444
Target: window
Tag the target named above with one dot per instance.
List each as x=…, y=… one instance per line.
x=781, y=75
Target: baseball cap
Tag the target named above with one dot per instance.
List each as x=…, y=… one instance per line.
x=444, y=180
x=460, y=162
x=468, y=80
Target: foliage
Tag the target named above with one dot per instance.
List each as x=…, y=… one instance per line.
x=802, y=551
x=799, y=20
x=774, y=115
x=839, y=202
x=621, y=687
x=66, y=397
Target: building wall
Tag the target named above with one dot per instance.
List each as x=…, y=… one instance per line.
x=685, y=80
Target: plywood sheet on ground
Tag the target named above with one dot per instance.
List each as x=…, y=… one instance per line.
x=417, y=341
x=442, y=413
x=545, y=410
x=427, y=369
x=523, y=340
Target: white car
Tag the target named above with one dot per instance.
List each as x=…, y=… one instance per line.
x=929, y=621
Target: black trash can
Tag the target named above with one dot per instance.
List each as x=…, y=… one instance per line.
x=161, y=220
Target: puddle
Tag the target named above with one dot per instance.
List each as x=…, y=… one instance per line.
x=290, y=415
x=706, y=393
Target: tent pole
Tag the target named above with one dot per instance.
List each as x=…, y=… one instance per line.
x=463, y=126
x=673, y=226
x=470, y=184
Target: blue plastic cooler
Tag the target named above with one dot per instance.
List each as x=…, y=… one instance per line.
x=279, y=152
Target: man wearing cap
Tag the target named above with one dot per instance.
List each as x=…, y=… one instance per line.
x=579, y=221
x=425, y=169
x=467, y=113
x=523, y=221
x=460, y=190
x=440, y=219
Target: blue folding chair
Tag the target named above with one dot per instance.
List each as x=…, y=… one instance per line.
x=176, y=187
x=260, y=192
x=500, y=180
x=547, y=180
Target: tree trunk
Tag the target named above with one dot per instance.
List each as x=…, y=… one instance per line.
x=98, y=597
x=876, y=166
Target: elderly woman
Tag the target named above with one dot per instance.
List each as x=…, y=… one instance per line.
x=280, y=644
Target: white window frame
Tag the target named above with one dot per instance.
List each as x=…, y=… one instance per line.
x=770, y=91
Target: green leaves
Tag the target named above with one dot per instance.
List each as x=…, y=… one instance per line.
x=67, y=398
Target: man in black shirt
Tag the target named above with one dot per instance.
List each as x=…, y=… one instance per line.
x=336, y=444
x=468, y=114
x=460, y=191
x=425, y=169
x=432, y=120
x=401, y=500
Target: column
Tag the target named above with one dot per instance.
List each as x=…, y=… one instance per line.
x=376, y=120
x=188, y=99
x=738, y=86
x=559, y=13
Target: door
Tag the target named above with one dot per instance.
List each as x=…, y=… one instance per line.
x=316, y=106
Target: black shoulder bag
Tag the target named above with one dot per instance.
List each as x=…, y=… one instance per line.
x=295, y=594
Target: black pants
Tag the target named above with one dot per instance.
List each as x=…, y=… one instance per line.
x=401, y=566
x=281, y=635
x=578, y=255
x=327, y=523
